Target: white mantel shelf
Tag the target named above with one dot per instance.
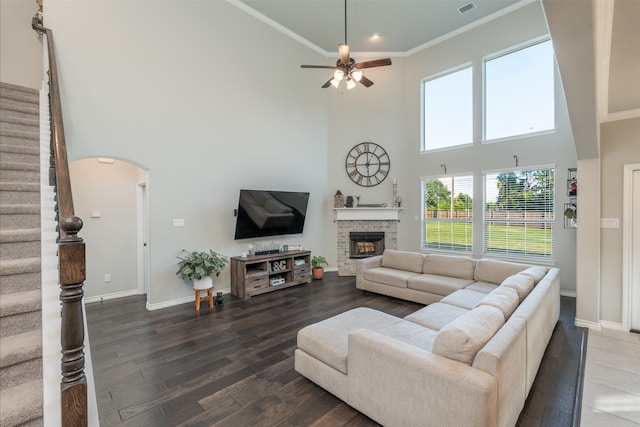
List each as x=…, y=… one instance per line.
x=367, y=214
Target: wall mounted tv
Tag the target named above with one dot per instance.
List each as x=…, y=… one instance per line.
x=270, y=213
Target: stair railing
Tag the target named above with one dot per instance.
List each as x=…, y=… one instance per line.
x=71, y=256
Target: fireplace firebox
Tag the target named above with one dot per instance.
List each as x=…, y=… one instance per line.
x=364, y=244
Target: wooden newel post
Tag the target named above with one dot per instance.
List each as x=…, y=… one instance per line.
x=73, y=387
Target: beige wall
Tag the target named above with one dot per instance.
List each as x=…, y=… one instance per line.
x=109, y=189
x=20, y=46
x=620, y=145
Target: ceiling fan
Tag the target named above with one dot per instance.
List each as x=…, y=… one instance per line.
x=347, y=68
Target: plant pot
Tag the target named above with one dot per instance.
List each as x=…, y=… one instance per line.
x=317, y=272
x=205, y=283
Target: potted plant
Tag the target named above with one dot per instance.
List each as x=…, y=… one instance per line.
x=200, y=266
x=317, y=270
x=571, y=216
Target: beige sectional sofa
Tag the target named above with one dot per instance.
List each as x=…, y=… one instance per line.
x=467, y=359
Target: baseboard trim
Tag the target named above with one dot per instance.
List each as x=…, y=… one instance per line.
x=114, y=295
x=570, y=294
x=183, y=300
x=616, y=326
x=588, y=324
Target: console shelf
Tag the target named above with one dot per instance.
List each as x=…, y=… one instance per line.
x=259, y=274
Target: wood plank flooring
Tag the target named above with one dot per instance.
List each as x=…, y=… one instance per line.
x=232, y=365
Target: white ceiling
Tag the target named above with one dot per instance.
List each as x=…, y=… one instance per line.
x=403, y=25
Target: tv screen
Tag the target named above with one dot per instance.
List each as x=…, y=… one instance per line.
x=270, y=213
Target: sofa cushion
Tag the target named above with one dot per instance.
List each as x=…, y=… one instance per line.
x=449, y=265
x=462, y=338
x=521, y=283
x=328, y=340
x=464, y=298
x=435, y=284
x=504, y=298
x=536, y=272
x=437, y=315
x=492, y=271
x=484, y=287
x=389, y=276
x=403, y=260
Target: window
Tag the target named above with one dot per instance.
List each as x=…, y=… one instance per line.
x=519, y=213
x=448, y=213
x=447, y=110
x=519, y=92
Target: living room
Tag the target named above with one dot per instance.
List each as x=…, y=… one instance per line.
x=206, y=100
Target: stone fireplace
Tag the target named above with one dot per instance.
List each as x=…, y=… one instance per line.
x=374, y=229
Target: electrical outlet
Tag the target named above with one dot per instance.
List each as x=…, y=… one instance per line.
x=107, y=278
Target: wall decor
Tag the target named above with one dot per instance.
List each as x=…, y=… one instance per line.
x=367, y=164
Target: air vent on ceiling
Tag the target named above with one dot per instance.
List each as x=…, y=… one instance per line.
x=466, y=8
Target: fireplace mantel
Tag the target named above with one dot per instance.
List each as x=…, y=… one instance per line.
x=367, y=214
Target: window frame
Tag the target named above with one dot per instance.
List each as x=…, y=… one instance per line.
x=425, y=221
x=423, y=82
x=504, y=52
x=551, y=222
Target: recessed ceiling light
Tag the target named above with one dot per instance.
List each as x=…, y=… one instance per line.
x=375, y=36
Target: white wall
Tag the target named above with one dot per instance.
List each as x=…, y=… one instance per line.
x=20, y=46
x=208, y=100
x=109, y=189
x=389, y=114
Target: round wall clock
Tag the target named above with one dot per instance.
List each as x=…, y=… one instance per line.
x=367, y=164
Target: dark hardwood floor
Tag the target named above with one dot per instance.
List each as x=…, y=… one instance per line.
x=232, y=365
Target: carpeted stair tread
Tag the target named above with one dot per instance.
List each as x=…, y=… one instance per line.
x=19, y=193
x=19, y=149
x=15, y=166
x=18, y=118
x=20, y=348
x=21, y=404
x=20, y=235
x=20, y=134
x=20, y=266
x=20, y=186
x=20, y=303
x=19, y=107
x=19, y=208
x=19, y=93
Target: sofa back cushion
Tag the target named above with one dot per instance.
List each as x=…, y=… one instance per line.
x=504, y=298
x=492, y=271
x=448, y=265
x=521, y=283
x=462, y=338
x=536, y=272
x=401, y=260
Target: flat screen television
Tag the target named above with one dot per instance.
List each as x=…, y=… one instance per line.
x=270, y=213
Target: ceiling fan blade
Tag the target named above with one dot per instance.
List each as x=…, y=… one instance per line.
x=365, y=81
x=343, y=51
x=374, y=63
x=331, y=67
x=327, y=84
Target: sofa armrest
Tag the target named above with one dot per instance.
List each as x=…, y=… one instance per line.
x=398, y=384
x=365, y=264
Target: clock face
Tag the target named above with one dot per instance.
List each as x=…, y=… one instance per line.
x=367, y=164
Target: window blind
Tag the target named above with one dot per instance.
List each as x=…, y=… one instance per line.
x=519, y=214
x=448, y=213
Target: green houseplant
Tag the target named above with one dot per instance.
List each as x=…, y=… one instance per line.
x=198, y=265
x=317, y=270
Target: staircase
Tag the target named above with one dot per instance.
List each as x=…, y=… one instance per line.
x=21, y=374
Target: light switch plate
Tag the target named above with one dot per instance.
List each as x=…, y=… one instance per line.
x=178, y=222
x=609, y=222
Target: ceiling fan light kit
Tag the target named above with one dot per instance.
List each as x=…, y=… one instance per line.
x=347, y=68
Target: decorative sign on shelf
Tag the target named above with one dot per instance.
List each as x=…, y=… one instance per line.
x=277, y=265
